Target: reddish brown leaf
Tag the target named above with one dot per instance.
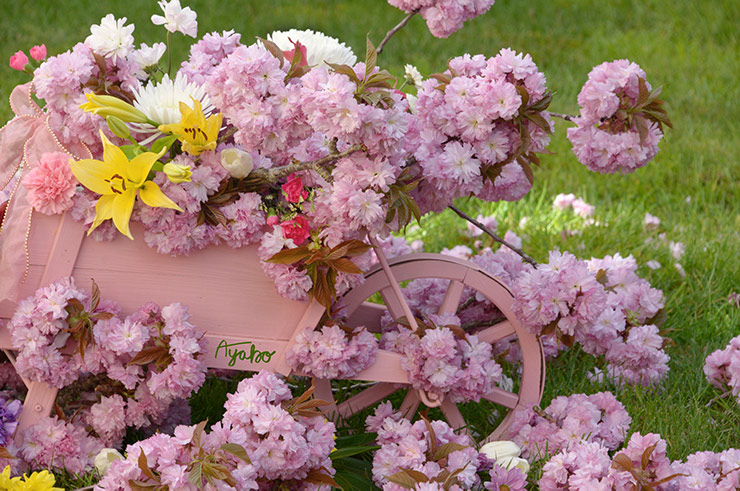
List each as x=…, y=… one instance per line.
x=290, y=256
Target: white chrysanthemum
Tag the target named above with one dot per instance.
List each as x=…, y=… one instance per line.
x=161, y=102
x=111, y=38
x=320, y=48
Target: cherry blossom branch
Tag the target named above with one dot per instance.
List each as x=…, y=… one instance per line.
x=274, y=175
x=398, y=27
x=495, y=237
x=566, y=117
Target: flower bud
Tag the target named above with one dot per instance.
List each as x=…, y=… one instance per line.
x=118, y=127
x=177, y=173
x=106, y=105
x=500, y=450
x=105, y=458
x=238, y=162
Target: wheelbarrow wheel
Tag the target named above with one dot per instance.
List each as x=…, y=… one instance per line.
x=462, y=281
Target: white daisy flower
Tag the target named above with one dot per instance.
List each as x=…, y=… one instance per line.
x=413, y=76
x=146, y=57
x=177, y=18
x=161, y=102
x=320, y=48
x=111, y=38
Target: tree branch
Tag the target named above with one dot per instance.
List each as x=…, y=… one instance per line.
x=398, y=27
x=566, y=117
x=495, y=237
x=277, y=173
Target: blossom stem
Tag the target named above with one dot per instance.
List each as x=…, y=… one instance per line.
x=566, y=117
x=169, y=54
x=495, y=237
x=398, y=27
x=274, y=175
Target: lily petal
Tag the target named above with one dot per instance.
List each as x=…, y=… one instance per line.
x=123, y=205
x=139, y=167
x=103, y=211
x=93, y=174
x=112, y=155
x=153, y=196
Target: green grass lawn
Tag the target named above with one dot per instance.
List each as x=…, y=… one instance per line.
x=693, y=186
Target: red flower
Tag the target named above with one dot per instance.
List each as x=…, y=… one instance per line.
x=296, y=229
x=293, y=189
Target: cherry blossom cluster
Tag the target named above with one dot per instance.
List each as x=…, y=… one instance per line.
x=114, y=372
x=722, y=368
x=171, y=232
x=641, y=463
x=171, y=458
x=406, y=445
x=599, y=418
x=603, y=139
x=708, y=470
x=332, y=352
x=53, y=443
x=562, y=294
x=39, y=330
x=265, y=439
x=472, y=141
x=443, y=362
x=625, y=331
x=444, y=17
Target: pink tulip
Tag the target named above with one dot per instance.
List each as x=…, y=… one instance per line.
x=38, y=53
x=19, y=61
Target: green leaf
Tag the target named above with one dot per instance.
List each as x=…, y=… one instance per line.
x=342, y=453
x=237, y=451
x=345, y=70
x=446, y=450
x=403, y=479
x=196, y=475
x=274, y=50
x=290, y=256
x=165, y=142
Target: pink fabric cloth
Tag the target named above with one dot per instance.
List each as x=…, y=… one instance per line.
x=22, y=141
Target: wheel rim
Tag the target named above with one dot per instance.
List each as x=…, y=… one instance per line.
x=462, y=279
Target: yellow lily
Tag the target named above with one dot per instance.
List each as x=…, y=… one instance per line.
x=106, y=105
x=196, y=133
x=119, y=180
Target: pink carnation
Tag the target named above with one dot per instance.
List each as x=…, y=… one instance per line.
x=51, y=184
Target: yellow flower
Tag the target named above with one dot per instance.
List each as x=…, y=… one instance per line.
x=38, y=481
x=196, y=133
x=106, y=105
x=119, y=181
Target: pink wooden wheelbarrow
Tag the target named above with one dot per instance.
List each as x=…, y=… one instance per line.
x=249, y=325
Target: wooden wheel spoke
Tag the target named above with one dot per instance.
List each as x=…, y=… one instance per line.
x=452, y=414
x=452, y=297
x=502, y=397
x=496, y=333
x=392, y=303
x=410, y=403
x=366, y=398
